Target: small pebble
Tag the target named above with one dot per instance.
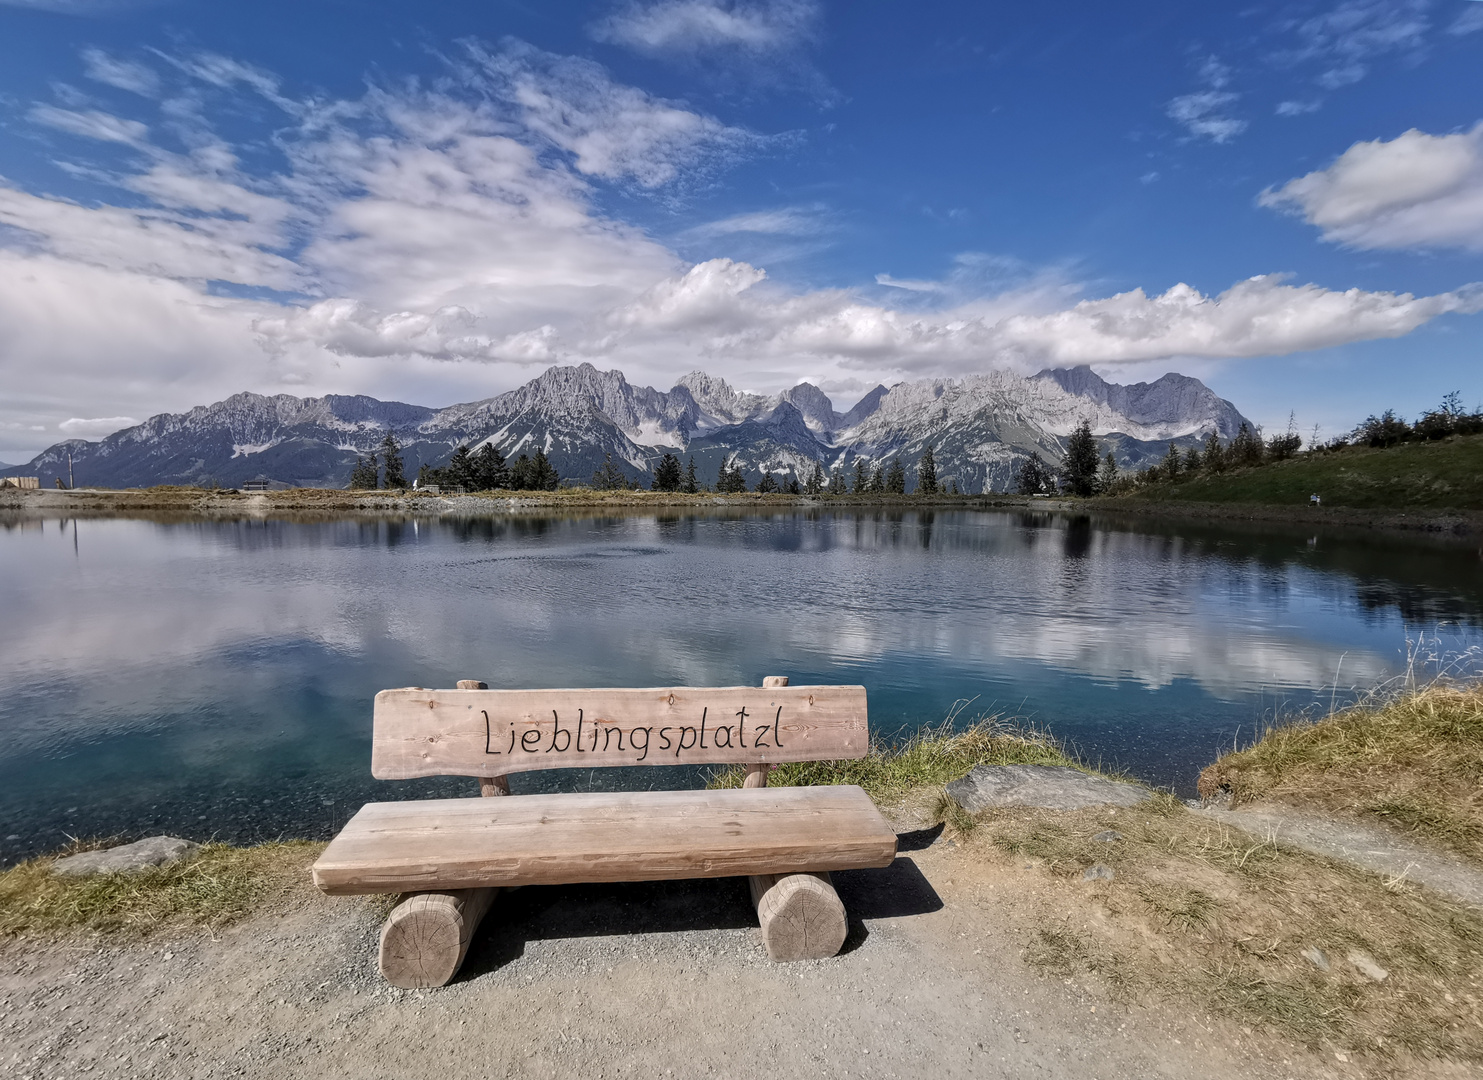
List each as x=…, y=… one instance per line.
x=1108, y=836
x=1097, y=872
x=1317, y=957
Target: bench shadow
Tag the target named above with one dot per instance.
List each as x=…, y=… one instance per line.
x=545, y=912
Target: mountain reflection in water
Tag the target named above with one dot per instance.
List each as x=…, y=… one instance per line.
x=215, y=678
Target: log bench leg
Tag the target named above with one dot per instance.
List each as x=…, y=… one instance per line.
x=801, y=916
x=425, y=938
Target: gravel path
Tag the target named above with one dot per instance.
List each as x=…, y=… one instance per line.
x=1374, y=848
x=652, y=980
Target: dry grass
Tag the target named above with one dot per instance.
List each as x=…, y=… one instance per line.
x=1413, y=759
x=216, y=886
x=929, y=759
x=1198, y=912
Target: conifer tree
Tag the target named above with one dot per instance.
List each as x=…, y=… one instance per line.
x=955, y=487
x=1215, y=455
x=732, y=480
x=837, y=484
x=791, y=487
x=1031, y=477
x=768, y=485
x=689, y=486
x=927, y=473
x=520, y=474
x=486, y=469
x=862, y=478
x=1079, y=470
x=877, y=480
x=815, y=484
x=1107, y=477
x=667, y=474
x=363, y=476
x=543, y=475
x=391, y=453
x=1170, y=466
x=608, y=477
x=460, y=469
x=896, y=478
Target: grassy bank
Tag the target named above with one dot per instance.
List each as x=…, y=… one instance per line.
x=217, y=885
x=923, y=763
x=1416, y=476
x=1413, y=760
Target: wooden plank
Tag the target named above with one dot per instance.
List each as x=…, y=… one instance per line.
x=442, y=844
x=486, y=733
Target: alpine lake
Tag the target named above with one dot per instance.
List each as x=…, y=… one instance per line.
x=214, y=679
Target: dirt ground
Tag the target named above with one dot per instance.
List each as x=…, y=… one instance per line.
x=662, y=979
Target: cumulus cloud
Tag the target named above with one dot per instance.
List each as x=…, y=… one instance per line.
x=433, y=244
x=1416, y=190
x=693, y=26
x=96, y=428
x=725, y=309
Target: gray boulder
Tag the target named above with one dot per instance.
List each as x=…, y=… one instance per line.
x=1051, y=787
x=155, y=851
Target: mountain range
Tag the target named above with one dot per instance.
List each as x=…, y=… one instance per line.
x=979, y=427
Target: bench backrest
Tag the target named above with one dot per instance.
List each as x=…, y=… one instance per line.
x=490, y=733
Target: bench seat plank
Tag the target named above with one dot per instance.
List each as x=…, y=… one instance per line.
x=441, y=844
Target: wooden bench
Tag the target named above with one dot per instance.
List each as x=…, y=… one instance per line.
x=453, y=855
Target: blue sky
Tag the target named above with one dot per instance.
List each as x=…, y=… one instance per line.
x=436, y=201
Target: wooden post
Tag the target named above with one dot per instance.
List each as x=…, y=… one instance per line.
x=489, y=786
x=427, y=935
x=801, y=916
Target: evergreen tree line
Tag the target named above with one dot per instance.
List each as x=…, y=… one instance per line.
x=486, y=469
x=670, y=475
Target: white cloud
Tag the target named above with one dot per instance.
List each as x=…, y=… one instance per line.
x=1204, y=114
x=416, y=228
x=78, y=428
x=123, y=74
x=1347, y=38
x=694, y=26
x=91, y=125
x=785, y=221
x=1417, y=190
x=1297, y=108
x=1469, y=22
x=725, y=309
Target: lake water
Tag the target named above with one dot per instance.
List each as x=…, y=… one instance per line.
x=215, y=678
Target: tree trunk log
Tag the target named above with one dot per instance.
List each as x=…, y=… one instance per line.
x=801, y=916
x=426, y=937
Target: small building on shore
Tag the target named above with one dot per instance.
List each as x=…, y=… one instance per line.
x=25, y=483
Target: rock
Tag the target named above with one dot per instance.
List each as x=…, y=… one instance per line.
x=1052, y=787
x=1108, y=836
x=1317, y=957
x=1365, y=963
x=1098, y=872
x=155, y=851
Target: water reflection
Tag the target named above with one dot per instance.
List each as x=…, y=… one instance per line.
x=159, y=666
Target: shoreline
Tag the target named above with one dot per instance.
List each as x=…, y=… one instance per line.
x=308, y=504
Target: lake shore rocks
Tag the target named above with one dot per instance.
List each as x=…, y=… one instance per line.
x=140, y=855
x=1050, y=787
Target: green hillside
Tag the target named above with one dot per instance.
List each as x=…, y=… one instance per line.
x=1443, y=475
